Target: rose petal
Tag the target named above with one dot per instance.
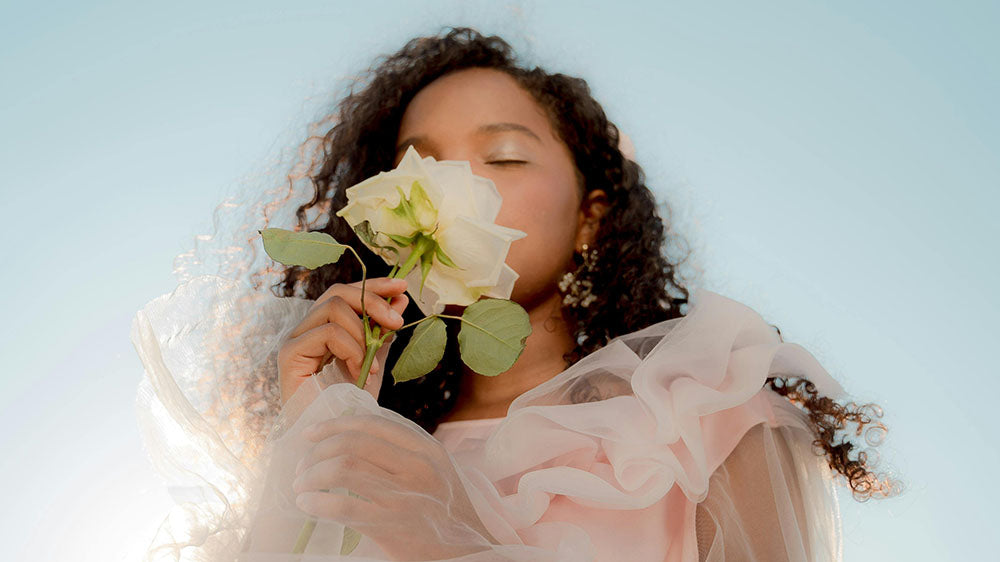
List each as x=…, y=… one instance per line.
x=486, y=199
x=476, y=248
x=454, y=178
x=466, y=207
x=386, y=221
x=510, y=233
x=430, y=303
x=452, y=290
x=505, y=285
x=382, y=186
x=412, y=165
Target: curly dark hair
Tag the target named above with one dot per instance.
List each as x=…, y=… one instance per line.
x=644, y=287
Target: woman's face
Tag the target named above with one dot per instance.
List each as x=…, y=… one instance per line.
x=484, y=116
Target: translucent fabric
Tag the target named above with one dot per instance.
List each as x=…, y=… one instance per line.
x=663, y=445
x=796, y=521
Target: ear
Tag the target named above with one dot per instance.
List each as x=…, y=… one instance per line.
x=592, y=209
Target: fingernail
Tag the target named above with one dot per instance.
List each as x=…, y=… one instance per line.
x=374, y=368
x=299, y=467
x=395, y=316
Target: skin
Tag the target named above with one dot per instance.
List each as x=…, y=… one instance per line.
x=542, y=196
x=419, y=509
x=374, y=456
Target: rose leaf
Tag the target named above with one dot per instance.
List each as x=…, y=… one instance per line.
x=308, y=249
x=493, y=335
x=423, y=352
x=443, y=257
x=366, y=233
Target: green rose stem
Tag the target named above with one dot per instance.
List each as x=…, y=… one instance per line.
x=491, y=339
x=373, y=341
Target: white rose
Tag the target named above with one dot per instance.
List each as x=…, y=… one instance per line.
x=443, y=202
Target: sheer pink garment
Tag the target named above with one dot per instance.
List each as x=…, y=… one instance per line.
x=660, y=446
x=772, y=499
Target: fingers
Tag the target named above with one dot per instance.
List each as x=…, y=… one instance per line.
x=343, y=471
x=333, y=327
x=331, y=302
x=346, y=510
x=377, y=426
x=374, y=288
x=313, y=345
x=359, y=462
x=334, y=310
x=399, y=302
x=389, y=458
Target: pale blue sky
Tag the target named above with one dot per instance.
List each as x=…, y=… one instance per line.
x=833, y=165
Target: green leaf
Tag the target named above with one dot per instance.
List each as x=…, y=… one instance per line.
x=404, y=210
x=308, y=249
x=423, y=210
x=367, y=235
x=443, y=257
x=423, y=353
x=426, y=262
x=493, y=335
x=403, y=241
x=418, y=196
x=365, y=232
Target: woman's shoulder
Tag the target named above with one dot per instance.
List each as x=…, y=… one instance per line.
x=720, y=353
x=720, y=343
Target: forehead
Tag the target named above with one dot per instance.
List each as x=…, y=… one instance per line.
x=463, y=100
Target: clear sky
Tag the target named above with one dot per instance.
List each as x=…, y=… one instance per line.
x=832, y=164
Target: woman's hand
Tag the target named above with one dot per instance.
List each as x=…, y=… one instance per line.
x=418, y=508
x=333, y=328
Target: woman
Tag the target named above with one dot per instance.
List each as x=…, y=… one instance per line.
x=628, y=429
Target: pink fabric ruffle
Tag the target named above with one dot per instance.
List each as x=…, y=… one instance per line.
x=677, y=397
x=609, y=460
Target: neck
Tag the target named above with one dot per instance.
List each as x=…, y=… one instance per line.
x=542, y=359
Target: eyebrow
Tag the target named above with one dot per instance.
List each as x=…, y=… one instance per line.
x=488, y=129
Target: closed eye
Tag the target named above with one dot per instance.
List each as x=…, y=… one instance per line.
x=507, y=162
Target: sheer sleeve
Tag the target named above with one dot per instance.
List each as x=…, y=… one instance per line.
x=661, y=444
x=771, y=500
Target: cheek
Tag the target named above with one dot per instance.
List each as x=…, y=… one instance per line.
x=548, y=214
x=558, y=206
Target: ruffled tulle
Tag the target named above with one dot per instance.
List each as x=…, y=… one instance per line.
x=636, y=452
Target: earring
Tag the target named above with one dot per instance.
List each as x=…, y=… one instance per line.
x=575, y=287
